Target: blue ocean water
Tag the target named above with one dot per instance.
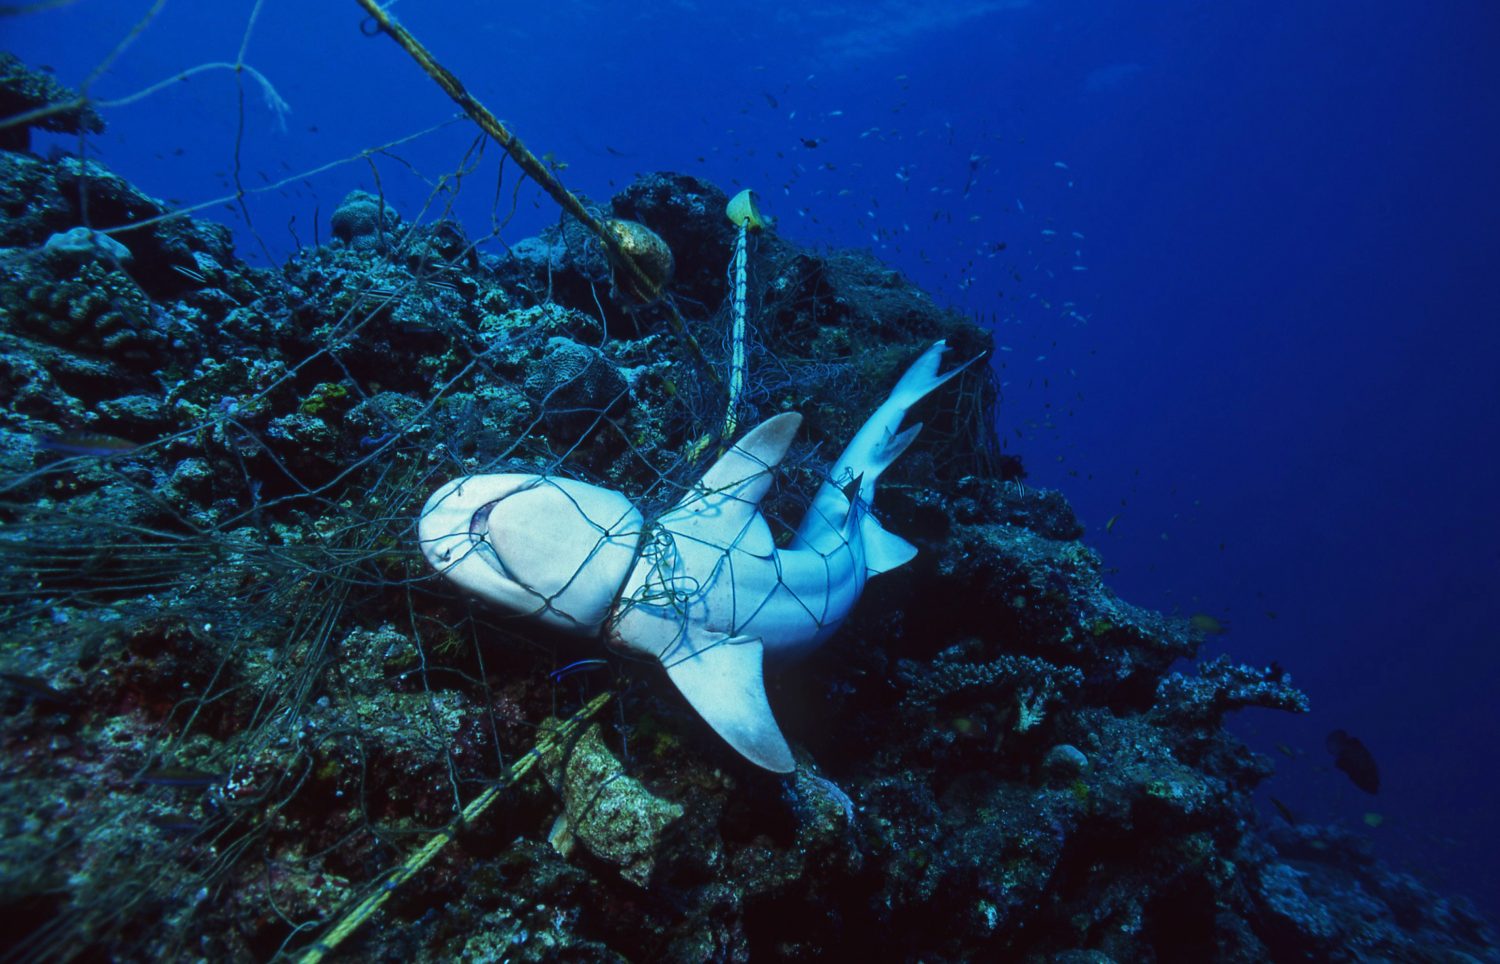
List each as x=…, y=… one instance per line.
x=1239, y=257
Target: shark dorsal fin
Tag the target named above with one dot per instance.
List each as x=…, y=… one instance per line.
x=744, y=472
x=724, y=506
x=721, y=677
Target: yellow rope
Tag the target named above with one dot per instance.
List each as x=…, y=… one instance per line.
x=737, y=362
x=640, y=284
x=367, y=907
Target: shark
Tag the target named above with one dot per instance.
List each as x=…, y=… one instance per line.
x=702, y=589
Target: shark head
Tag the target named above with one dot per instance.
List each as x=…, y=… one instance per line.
x=554, y=549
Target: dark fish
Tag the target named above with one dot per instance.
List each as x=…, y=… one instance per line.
x=810, y=142
x=369, y=443
x=770, y=100
x=176, y=825
x=1351, y=756
x=87, y=443
x=1285, y=811
x=175, y=776
x=37, y=690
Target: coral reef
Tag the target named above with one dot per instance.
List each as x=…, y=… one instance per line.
x=362, y=220
x=24, y=91
x=237, y=698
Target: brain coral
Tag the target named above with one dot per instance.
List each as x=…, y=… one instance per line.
x=362, y=221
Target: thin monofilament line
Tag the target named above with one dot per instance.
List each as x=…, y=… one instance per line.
x=119, y=49
x=249, y=28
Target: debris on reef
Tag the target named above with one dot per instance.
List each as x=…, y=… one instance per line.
x=236, y=697
x=604, y=808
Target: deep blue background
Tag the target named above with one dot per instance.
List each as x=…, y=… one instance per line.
x=1263, y=330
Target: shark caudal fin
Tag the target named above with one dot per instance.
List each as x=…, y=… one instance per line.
x=878, y=443
x=881, y=440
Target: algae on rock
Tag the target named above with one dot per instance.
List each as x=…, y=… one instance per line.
x=610, y=813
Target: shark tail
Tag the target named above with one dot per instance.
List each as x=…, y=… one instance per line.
x=922, y=377
x=879, y=443
x=874, y=447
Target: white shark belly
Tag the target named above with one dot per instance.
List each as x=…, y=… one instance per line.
x=812, y=595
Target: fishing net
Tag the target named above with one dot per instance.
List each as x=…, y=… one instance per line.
x=238, y=697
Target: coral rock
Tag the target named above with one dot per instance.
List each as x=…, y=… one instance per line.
x=611, y=814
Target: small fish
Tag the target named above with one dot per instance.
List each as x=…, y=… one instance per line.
x=1355, y=759
x=86, y=443
x=1373, y=819
x=1110, y=525
x=1285, y=811
x=771, y=100
x=1060, y=165
x=581, y=666
x=1207, y=625
x=810, y=142
x=176, y=825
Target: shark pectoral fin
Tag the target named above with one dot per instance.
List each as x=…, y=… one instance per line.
x=723, y=681
x=884, y=550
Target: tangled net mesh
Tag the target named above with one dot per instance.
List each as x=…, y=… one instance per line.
x=241, y=695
